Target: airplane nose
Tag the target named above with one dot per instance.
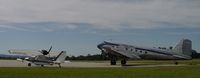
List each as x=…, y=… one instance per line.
x=100, y=46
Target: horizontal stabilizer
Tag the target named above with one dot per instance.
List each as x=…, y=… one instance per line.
x=61, y=57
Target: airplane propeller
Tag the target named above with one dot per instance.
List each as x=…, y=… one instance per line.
x=45, y=52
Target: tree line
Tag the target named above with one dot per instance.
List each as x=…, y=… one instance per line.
x=195, y=54
x=87, y=57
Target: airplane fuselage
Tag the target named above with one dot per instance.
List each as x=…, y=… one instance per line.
x=135, y=52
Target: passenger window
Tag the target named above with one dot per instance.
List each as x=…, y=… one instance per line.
x=126, y=48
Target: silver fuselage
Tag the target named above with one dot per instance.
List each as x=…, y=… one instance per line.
x=136, y=52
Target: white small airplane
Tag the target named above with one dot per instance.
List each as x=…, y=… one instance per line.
x=41, y=59
x=182, y=51
x=44, y=60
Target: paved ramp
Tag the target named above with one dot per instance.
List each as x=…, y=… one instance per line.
x=12, y=63
x=15, y=63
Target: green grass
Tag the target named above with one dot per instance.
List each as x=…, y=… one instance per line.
x=192, y=71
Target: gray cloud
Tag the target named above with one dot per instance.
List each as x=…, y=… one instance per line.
x=104, y=14
x=40, y=26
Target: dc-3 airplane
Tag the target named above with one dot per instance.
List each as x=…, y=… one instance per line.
x=42, y=59
x=182, y=51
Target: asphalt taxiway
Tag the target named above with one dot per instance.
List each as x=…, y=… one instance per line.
x=15, y=63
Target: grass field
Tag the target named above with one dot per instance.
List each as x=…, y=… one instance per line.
x=192, y=70
x=122, y=72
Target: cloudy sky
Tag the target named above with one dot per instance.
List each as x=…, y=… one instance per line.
x=79, y=25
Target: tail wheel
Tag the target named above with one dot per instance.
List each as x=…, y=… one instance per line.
x=176, y=63
x=59, y=65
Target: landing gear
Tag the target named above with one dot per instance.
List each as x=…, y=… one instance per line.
x=29, y=64
x=59, y=65
x=42, y=65
x=123, y=62
x=113, y=62
x=176, y=63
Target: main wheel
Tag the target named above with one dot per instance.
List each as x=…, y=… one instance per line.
x=176, y=63
x=112, y=62
x=29, y=64
x=123, y=62
x=42, y=65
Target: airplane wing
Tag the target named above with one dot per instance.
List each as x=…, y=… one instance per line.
x=24, y=52
x=30, y=52
x=13, y=56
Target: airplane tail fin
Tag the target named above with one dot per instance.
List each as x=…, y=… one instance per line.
x=184, y=47
x=61, y=57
